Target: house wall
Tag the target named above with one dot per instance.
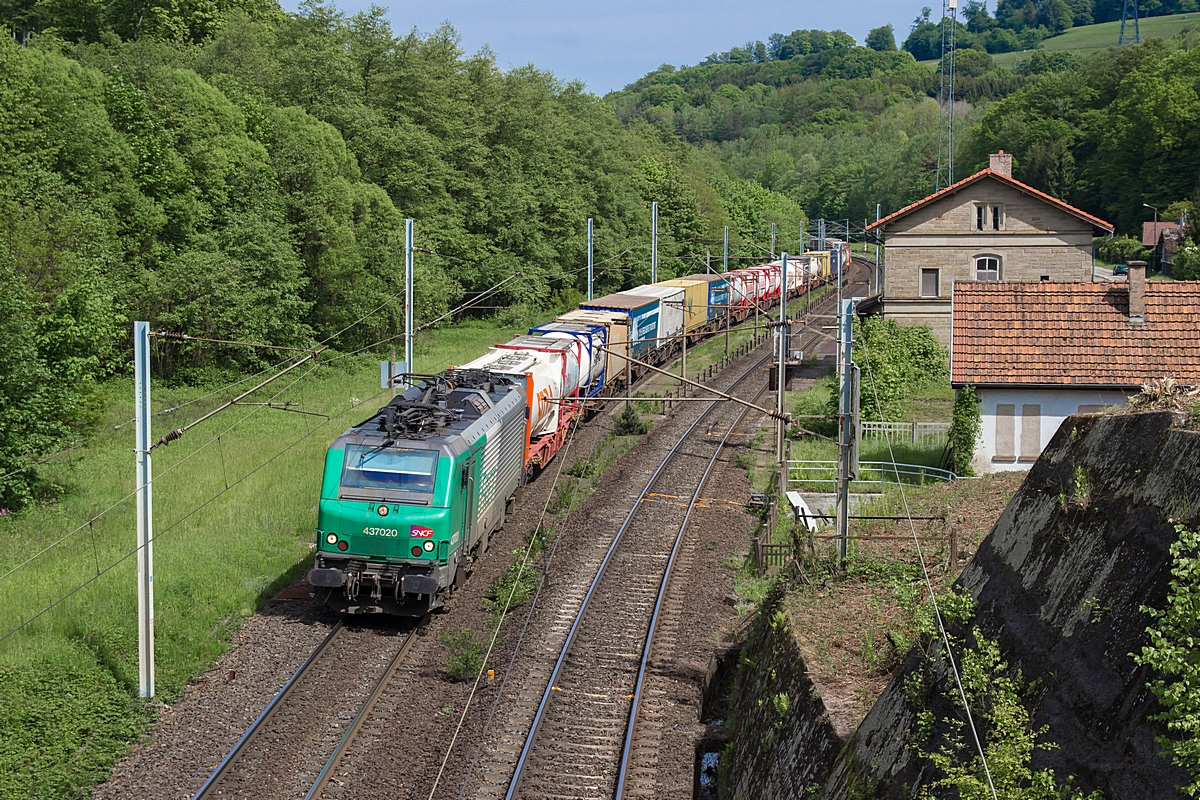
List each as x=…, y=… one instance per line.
x=1029, y=438
x=1036, y=240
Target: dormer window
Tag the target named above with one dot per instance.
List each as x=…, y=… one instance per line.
x=988, y=217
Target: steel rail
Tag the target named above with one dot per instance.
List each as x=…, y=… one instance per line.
x=364, y=713
x=221, y=769
x=658, y=603
x=550, y=683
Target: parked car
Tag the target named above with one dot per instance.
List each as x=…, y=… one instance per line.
x=1121, y=269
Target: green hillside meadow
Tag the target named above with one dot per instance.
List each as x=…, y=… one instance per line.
x=68, y=681
x=1089, y=40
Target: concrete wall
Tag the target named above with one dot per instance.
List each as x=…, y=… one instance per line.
x=1036, y=240
x=1054, y=405
x=776, y=752
x=1059, y=584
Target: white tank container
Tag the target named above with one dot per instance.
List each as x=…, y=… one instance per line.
x=741, y=285
x=550, y=369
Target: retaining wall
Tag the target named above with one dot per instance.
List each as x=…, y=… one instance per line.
x=1059, y=583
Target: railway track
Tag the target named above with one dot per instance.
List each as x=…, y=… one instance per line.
x=578, y=734
x=275, y=756
x=595, y=731
x=636, y=776
x=278, y=756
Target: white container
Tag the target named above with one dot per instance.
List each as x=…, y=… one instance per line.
x=670, y=312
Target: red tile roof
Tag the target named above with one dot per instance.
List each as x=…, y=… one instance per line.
x=1000, y=176
x=1074, y=334
x=1150, y=235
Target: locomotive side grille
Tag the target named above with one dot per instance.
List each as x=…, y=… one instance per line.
x=511, y=450
x=487, y=477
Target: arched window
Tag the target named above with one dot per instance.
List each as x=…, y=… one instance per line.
x=987, y=268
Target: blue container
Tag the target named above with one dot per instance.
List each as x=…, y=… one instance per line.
x=718, y=294
x=643, y=318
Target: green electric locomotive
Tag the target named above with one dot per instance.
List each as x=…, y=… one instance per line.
x=411, y=495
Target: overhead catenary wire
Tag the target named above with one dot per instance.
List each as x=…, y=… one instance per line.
x=562, y=456
x=937, y=613
x=129, y=554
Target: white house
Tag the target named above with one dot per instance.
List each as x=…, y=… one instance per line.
x=1038, y=352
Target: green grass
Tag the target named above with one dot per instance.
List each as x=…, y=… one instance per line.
x=68, y=680
x=1091, y=39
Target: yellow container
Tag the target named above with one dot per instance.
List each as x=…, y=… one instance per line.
x=822, y=257
x=695, y=301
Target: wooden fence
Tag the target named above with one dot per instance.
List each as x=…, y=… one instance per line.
x=780, y=555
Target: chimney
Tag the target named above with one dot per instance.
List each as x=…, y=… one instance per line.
x=1137, y=291
x=1001, y=162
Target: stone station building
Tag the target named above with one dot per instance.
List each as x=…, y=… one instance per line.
x=988, y=227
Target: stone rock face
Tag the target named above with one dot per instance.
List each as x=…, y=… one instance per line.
x=780, y=747
x=1058, y=583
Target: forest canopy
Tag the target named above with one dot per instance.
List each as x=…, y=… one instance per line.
x=232, y=171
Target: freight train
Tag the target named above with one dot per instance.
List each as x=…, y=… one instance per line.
x=411, y=495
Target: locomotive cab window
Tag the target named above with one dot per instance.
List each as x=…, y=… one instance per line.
x=391, y=468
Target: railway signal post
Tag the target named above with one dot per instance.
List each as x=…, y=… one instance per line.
x=408, y=295
x=847, y=424
x=725, y=258
x=654, y=242
x=781, y=352
x=145, y=508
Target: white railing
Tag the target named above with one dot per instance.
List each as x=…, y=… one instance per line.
x=918, y=434
x=821, y=476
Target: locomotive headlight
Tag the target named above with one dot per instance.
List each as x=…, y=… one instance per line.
x=428, y=545
x=331, y=538
x=383, y=510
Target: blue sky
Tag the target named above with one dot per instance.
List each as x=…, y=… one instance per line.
x=612, y=43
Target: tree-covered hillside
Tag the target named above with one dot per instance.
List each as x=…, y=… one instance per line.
x=846, y=127
x=1022, y=24
x=837, y=130
x=244, y=174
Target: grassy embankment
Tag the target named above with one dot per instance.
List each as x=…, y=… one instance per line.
x=68, y=681
x=928, y=403
x=1087, y=40
x=855, y=623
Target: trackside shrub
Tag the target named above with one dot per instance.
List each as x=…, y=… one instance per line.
x=965, y=426
x=896, y=360
x=466, y=654
x=629, y=423
x=1174, y=652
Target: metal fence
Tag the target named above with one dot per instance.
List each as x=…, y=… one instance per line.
x=821, y=476
x=919, y=434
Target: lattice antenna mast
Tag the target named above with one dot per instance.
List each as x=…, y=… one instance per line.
x=945, y=167
x=1129, y=13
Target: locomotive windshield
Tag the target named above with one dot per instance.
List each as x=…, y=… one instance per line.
x=389, y=468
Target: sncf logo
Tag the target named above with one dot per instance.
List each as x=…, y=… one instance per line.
x=419, y=532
